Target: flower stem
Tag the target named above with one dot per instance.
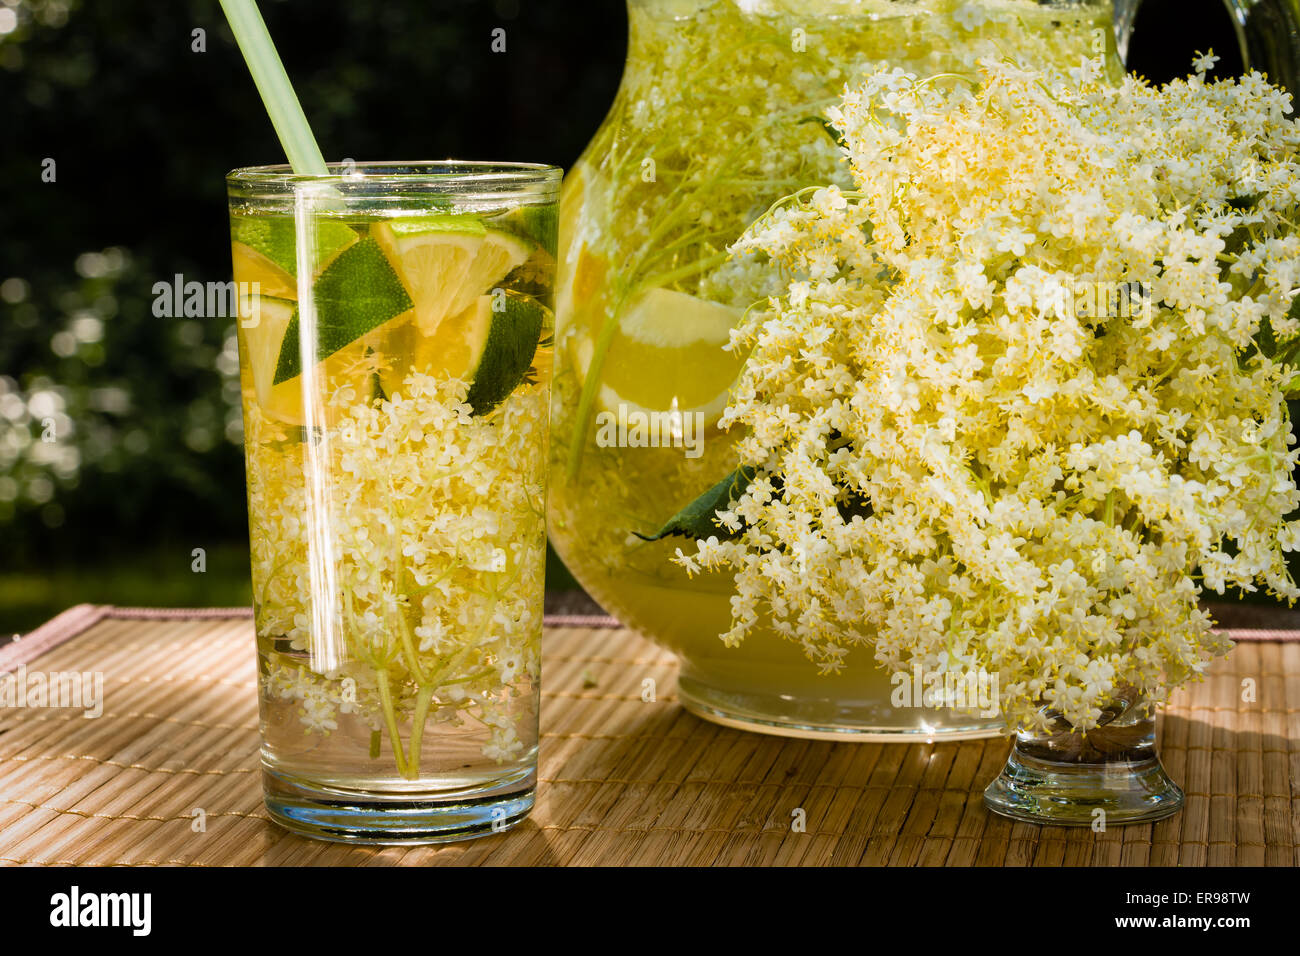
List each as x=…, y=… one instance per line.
x=390, y=718
x=417, y=728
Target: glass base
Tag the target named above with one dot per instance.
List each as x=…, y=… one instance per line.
x=350, y=816
x=831, y=718
x=1070, y=794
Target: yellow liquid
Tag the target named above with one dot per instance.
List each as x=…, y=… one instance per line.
x=398, y=562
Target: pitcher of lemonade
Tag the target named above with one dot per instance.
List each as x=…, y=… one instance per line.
x=718, y=116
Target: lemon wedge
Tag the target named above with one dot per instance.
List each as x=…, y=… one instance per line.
x=667, y=355
x=447, y=261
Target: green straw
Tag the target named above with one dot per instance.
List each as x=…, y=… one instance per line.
x=273, y=84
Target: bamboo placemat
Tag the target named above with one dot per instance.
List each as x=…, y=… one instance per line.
x=623, y=781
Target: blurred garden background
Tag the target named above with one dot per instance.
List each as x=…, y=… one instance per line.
x=119, y=431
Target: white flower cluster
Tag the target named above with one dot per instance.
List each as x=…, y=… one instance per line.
x=955, y=468
x=435, y=518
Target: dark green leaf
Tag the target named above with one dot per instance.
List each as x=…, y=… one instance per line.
x=836, y=136
x=1266, y=340
x=699, y=518
x=1286, y=353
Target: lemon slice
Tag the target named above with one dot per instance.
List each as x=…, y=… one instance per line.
x=491, y=344
x=580, y=272
x=446, y=262
x=257, y=273
x=500, y=254
x=263, y=320
x=667, y=355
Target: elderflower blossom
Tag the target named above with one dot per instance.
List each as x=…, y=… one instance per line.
x=1026, y=339
x=435, y=515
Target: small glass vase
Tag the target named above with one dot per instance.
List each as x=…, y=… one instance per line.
x=1105, y=776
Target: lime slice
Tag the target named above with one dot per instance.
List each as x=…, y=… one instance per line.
x=274, y=238
x=538, y=223
x=446, y=262
x=516, y=329
x=490, y=344
x=667, y=355
x=538, y=226
x=357, y=293
x=258, y=275
x=263, y=320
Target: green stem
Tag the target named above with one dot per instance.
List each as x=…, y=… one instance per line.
x=591, y=384
x=417, y=728
x=404, y=626
x=465, y=679
x=390, y=718
x=683, y=272
x=350, y=631
x=424, y=589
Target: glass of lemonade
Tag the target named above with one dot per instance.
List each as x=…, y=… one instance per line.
x=395, y=339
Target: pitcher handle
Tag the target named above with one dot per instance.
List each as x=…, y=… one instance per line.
x=1268, y=34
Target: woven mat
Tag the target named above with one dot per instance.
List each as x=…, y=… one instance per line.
x=622, y=781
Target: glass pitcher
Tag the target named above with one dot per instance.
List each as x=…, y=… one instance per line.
x=718, y=116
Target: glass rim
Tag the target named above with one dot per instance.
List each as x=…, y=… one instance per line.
x=456, y=173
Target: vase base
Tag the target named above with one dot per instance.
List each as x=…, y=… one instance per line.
x=1059, y=794
x=826, y=720
x=355, y=817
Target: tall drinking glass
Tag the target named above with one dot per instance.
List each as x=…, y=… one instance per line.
x=395, y=338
